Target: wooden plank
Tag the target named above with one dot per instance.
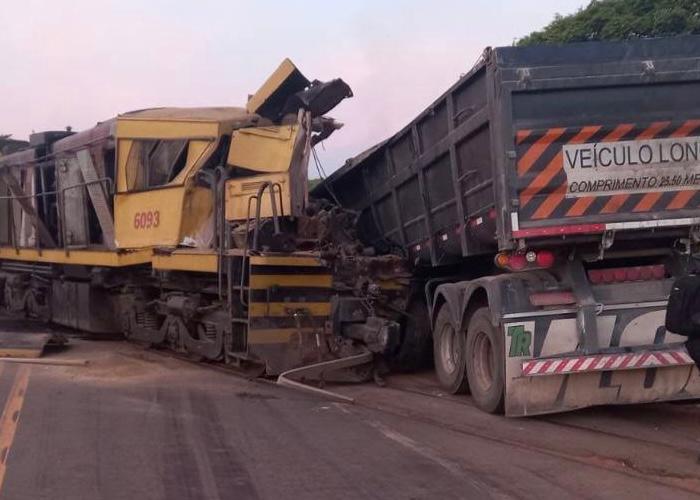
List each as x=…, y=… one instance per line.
x=98, y=197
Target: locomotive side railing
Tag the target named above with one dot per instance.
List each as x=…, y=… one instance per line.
x=60, y=198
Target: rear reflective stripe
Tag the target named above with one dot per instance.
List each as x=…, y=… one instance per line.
x=550, y=204
x=607, y=362
x=521, y=135
x=540, y=171
x=582, y=204
x=616, y=362
x=685, y=129
x=570, y=365
x=653, y=130
x=618, y=200
x=647, y=203
x=625, y=361
x=614, y=204
x=536, y=150
x=680, y=200
x=554, y=166
x=610, y=362
x=578, y=364
x=650, y=199
x=536, y=232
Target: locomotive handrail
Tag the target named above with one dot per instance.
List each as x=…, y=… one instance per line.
x=58, y=191
x=61, y=203
x=257, y=197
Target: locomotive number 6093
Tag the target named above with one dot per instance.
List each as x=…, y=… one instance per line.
x=147, y=220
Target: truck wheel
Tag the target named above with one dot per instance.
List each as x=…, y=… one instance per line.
x=485, y=362
x=448, y=354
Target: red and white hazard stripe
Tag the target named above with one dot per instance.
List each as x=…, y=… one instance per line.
x=605, y=362
x=597, y=227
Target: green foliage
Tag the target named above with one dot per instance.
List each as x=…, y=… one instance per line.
x=621, y=19
x=314, y=182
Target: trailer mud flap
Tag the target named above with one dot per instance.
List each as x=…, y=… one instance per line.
x=550, y=338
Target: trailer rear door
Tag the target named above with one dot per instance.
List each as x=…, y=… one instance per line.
x=604, y=140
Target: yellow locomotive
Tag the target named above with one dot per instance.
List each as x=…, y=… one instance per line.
x=190, y=228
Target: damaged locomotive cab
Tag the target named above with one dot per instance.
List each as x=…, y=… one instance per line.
x=190, y=229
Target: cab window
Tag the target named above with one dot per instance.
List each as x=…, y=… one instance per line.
x=154, y=163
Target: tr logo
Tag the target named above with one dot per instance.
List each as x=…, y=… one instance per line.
x=520, y=341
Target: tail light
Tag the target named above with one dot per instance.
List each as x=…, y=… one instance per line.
x=623, y=274
x=518, y=261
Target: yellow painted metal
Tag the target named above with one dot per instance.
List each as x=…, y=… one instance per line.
x=285, y=260
x=391, y=285
x=263, y=281
x=263, y=149
x=197, y=153
x=239, y=191
x=197, y=217
x=123, y=149
x=130, y=128
x=167, y=203
x=78, y=257
x=277, y=335
x=173, y=213
x=186, y=260
x=261, y=309
x=285, y=72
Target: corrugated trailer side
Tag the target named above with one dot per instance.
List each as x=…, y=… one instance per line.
x=483, y=166
x=422, y=188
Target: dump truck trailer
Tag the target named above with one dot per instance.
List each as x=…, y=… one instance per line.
x=546, y=202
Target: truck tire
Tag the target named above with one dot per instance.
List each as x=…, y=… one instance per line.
x=485, y=363
x=449, y=354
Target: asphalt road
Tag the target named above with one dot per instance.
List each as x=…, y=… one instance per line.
x=134, y=424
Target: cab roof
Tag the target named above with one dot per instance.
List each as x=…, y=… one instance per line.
x=212, y=114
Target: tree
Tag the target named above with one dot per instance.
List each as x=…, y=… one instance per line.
x=621, y=19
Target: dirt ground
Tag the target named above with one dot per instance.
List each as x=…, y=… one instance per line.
x=135, y=423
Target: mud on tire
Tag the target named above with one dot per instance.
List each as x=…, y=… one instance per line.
x=485, y=363
x=449, y=353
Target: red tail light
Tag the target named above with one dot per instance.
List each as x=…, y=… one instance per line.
x=533, y=259
x=545, y=259
x=623, y=274
x=517, y=262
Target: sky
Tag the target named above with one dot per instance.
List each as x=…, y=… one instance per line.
x=77, y=62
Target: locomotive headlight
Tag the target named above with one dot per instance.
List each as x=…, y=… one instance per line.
x=531, y=256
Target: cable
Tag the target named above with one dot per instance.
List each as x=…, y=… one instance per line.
x=324, y=177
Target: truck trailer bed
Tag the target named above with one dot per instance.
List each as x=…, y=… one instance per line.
x=538, y=142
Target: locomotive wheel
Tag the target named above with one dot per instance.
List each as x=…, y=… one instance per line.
x=485, y=362
x=448, y=354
